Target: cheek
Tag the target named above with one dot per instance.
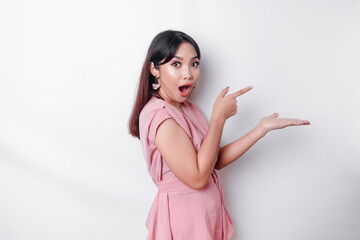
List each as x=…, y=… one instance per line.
x=196, y=74
x=169, y=78
x=170, y=74
x=173, y=73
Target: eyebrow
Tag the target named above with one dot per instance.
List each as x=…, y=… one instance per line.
x=183, y=59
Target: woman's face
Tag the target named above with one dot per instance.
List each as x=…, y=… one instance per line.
x=178, y=76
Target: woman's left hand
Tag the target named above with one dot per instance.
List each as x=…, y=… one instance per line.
x=273, y=122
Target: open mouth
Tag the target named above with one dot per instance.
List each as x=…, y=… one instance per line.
x=185, y=90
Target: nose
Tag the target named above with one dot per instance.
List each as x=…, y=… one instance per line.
x=187, y=73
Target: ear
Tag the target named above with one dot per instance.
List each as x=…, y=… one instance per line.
x=155, y=72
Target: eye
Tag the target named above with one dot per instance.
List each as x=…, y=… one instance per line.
x=195, y=64
x=176, y=64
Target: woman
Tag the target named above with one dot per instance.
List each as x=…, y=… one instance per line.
x=181, y=150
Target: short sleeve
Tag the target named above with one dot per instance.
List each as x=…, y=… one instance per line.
x=159, y=117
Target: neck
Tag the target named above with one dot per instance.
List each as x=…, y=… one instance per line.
x=168, y=100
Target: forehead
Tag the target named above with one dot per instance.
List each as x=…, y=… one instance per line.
x=185, y=49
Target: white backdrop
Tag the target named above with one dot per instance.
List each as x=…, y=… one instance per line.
x=68, y=73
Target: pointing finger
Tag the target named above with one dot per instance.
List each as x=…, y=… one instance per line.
x=241, y=92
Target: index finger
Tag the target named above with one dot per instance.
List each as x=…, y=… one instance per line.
x=240, y=92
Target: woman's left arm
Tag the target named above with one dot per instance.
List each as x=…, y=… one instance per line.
x=232, y=151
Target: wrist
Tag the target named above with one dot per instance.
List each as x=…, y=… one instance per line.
x=217, y=119
x=258, y=132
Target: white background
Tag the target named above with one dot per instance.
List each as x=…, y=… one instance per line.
x=68, y=74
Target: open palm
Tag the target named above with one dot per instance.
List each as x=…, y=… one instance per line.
x=273, y=122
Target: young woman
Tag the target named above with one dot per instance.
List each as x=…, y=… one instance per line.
x=181, y=150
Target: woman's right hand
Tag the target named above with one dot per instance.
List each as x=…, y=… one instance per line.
x=225, y=106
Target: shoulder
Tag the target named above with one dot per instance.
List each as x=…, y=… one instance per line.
x=153, y=105
x=155, y=112
x=156, y=106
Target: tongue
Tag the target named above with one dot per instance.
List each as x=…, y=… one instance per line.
x=183, y=89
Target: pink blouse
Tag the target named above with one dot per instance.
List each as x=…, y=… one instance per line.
x=178, y=211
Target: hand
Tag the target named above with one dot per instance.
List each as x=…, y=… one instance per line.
x=225, y=106
x=273, y=122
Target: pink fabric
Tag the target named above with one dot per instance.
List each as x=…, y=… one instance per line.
x=178, y=211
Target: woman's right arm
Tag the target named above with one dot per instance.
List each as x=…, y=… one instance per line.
x=191, y=167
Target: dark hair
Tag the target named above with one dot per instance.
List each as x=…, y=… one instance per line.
x=162, y=49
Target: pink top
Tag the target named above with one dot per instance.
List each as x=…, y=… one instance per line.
x=178, y=211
